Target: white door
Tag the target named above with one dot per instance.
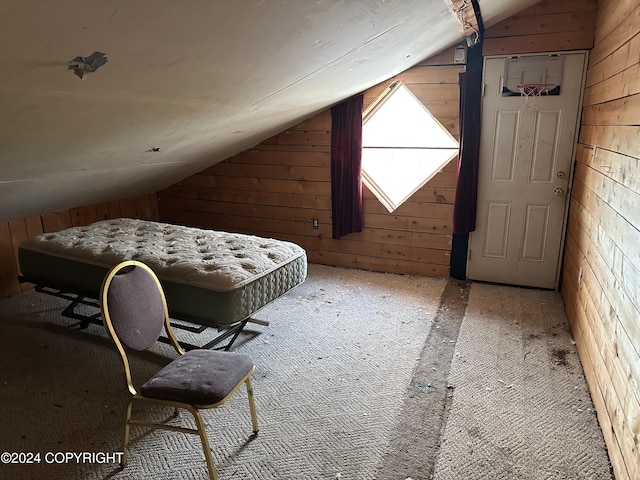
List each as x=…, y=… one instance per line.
x=526, y=158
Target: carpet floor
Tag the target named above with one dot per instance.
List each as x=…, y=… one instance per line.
x=359, y=375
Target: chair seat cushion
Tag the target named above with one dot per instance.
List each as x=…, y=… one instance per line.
x=199, y=377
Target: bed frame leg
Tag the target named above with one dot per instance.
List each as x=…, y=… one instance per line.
x=70, y=310
x=85, y=320
x=232, y=332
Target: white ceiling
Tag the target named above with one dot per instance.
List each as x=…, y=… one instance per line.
x=200, y=79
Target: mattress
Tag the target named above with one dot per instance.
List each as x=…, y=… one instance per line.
x=209, y=277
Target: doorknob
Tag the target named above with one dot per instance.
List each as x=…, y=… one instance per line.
x=558, y=191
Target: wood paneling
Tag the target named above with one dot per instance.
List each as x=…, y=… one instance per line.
x=14, y=232
x=601, y=272
x=549, y=26
x=278, y=187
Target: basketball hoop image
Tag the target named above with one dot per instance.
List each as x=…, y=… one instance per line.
x=530, y=93
x=531, y=77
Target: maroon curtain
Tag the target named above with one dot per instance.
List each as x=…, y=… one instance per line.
x=346, y=164
x=464, y=210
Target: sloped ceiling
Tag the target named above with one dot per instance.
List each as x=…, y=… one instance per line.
x=200, y=80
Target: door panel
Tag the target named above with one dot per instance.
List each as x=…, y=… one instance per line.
x=498, y=219
x=535, y=233
x=504, y=152
x=525, y=157
x=545, y=147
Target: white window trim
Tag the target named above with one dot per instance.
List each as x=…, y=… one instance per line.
x=371, y=184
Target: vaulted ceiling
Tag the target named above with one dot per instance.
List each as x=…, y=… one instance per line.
x=187, y=83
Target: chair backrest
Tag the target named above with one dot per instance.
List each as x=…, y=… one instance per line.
x=134, y=310
x=133, y=305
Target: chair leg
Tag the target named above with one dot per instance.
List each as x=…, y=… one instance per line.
x=205, y=443
x=126, y=434
x=252, y=406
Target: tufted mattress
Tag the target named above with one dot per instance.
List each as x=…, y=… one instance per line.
x=209, y=277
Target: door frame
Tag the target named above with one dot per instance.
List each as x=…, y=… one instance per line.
x=573, y=151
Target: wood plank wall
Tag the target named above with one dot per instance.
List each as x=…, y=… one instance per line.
x=14, y=232
x=548, y=26
x=277, y=188
x=601, y=275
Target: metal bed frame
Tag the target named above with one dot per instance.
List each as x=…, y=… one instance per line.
x=77, y=298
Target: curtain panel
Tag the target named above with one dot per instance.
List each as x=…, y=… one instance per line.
x=464, y=210
x=346, y=166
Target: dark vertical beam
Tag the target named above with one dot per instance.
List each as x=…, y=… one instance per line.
x=460, y=241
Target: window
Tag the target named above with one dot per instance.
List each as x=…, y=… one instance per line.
x=403, y=146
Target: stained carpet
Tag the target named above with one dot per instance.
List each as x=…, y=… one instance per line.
x=349, y=362
x=521, y=408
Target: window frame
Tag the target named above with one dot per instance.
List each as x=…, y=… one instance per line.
x=368, y=113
